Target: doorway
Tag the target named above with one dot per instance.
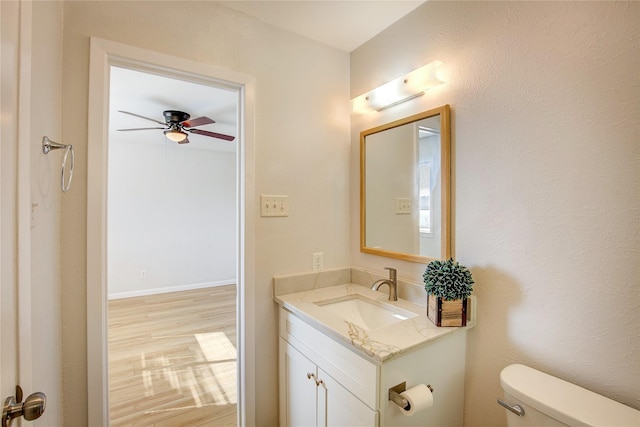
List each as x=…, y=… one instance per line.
x=139, y=278
x=171, y=251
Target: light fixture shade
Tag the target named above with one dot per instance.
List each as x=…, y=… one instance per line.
x=175, y=135
x=398, y=90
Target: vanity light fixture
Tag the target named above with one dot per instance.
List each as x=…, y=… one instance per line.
x=175, y=135
x=402, y=89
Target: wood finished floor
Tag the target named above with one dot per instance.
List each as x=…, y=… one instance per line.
x=172, y=359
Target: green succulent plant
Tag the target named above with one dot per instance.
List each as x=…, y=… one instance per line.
x=448, y=279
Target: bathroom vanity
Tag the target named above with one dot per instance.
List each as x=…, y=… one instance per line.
x=344, y=346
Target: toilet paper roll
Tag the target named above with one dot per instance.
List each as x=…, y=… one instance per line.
x=419, y=398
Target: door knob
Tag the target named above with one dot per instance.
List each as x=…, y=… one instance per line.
x=31, y=408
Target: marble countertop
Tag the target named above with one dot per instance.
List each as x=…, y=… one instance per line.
x=378, y=344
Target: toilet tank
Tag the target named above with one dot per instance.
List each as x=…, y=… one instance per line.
x=553, y=402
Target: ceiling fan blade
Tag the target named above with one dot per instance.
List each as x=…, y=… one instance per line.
x=139, y=129
x=142, y=117
x=199, y=121
x=212, y=134
x=184, y=141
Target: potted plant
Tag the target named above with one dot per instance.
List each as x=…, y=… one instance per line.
x=448, y=285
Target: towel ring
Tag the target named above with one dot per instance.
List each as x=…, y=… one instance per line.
x=47, y=146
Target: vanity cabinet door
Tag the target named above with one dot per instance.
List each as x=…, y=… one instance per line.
x=298, y=389
x=337, y=407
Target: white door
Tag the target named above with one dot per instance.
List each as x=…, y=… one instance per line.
x=15, y=292
x=9, y=18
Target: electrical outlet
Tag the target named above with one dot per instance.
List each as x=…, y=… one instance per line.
x=274, y=205
x=318, y=262
x=403, y=205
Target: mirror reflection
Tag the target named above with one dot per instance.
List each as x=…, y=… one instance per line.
x=405, y=194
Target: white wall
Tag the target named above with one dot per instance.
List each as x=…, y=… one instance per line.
x=545, y=112
x=172, y=214
x=301, y=147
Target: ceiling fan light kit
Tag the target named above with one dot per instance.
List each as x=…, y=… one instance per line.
x=175, y=135
x=177, y=124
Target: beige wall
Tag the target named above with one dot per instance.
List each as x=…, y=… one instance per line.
x=545, y=172
x=545, y=109
x=301, y=147
x=46, y=119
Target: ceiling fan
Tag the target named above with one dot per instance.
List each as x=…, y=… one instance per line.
x=176, y=125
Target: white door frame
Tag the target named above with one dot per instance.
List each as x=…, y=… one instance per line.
x=105, y=53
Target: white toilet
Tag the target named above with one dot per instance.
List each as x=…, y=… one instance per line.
x=547, y=401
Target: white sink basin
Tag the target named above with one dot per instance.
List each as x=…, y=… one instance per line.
x=364, y=312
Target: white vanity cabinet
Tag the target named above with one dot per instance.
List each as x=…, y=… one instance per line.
x=318, y=377
x=311, y=397
x=324, y=383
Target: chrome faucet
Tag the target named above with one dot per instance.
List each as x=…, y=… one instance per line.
x=391, y=281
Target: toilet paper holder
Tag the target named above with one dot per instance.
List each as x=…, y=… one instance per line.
x=394, y=395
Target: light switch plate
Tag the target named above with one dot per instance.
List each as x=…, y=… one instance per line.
x=403, y=205
x=274, y=205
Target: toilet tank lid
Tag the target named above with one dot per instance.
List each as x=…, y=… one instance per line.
x=566, y=402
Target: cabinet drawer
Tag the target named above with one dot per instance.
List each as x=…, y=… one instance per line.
x=355, y=373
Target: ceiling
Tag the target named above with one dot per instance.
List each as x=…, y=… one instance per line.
x=345, y=24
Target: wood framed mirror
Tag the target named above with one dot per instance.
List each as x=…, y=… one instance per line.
x=405, y=188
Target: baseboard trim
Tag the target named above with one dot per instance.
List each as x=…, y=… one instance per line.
x=155, y=291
